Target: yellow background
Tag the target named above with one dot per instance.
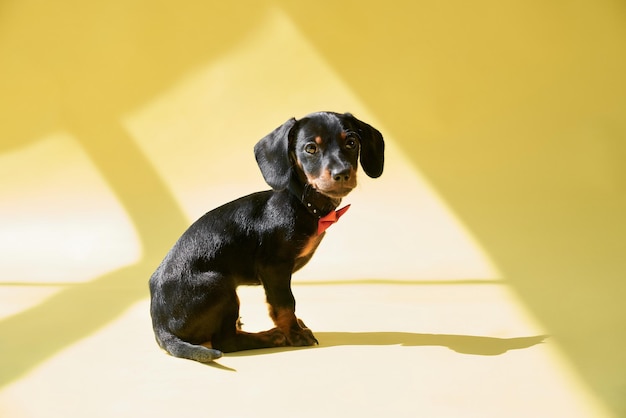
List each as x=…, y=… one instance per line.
x=122, y=121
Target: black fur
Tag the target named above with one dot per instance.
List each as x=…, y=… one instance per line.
x=261, y=238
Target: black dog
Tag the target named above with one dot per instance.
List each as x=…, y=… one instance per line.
x=261, y=239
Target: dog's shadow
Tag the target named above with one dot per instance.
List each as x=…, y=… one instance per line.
x=463, y=344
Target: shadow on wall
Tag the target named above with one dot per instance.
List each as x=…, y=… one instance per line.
x=79, y=68
x=516, y=113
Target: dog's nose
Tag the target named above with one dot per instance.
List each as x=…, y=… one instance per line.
x=341, y=174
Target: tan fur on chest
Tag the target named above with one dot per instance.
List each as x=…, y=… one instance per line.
x=310, y=246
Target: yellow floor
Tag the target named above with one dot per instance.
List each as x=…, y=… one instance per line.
x=437, y=350
x=480, y=276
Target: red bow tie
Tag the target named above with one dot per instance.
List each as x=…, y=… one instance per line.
x=326, y=221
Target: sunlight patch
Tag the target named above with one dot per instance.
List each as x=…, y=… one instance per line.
x=59, y=221
x=200, y=135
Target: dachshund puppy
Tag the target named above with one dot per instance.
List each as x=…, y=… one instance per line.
x=261, y=239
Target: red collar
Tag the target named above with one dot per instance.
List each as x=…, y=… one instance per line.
x=333, y=216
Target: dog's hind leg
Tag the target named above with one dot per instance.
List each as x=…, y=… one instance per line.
x=231, y=338
x=241, y=340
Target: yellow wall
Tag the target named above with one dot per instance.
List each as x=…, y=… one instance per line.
x=514, y=112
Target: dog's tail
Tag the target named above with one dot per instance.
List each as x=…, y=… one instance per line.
x=179, y=348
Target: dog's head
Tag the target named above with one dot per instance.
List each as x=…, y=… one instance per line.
x=323, y=148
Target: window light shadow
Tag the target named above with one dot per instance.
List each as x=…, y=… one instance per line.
x=96, y=94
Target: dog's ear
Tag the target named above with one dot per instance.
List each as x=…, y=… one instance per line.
x=272, y=156
x=372, y=147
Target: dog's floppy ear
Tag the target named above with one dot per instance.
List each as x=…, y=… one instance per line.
x=272, y=156
x=372, y=147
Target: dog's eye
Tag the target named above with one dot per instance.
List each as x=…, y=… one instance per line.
x=351, y=143
x=310, y=148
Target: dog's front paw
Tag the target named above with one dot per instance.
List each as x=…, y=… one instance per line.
x=276, y=337
x=301, y=336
